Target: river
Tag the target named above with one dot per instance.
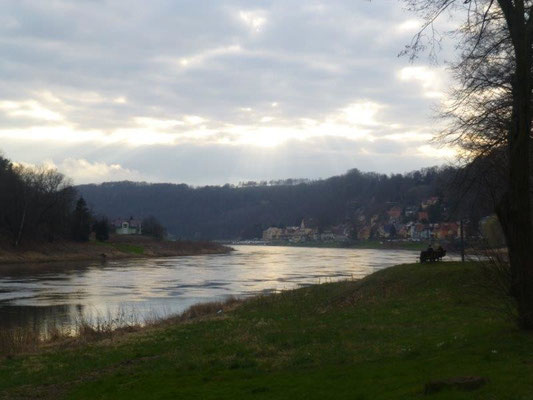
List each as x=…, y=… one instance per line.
x=140, y=289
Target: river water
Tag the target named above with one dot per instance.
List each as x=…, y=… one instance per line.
x=63, y=293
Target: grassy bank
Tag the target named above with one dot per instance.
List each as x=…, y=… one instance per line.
x=384, y=337
x=116, y=248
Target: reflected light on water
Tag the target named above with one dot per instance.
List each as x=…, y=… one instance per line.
x=63, y=292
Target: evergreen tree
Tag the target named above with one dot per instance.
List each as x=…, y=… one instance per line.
x=101, y=229
x=81, y=221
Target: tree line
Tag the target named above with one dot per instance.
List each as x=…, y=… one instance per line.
x=229, y=212
x=35, y=204
x=39, y=204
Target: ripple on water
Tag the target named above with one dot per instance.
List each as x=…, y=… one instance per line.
x=68, y=290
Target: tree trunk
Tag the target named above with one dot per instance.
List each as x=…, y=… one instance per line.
x=515, y=210
x=21, y=227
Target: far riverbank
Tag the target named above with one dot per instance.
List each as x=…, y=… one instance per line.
x=368, y=244
x=118, y=247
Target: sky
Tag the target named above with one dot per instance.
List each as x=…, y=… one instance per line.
x=215, y=91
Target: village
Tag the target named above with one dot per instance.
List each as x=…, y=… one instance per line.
x=412, y=223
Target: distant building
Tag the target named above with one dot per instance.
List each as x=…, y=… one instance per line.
x=429, y=202
x=420, y=232
x=403, y=231
x=364, y=233
x=129, y=226
x=341, y=233
x=309, y=223
x=273, y=233
x=411, y=211
x=395, y=213
x=423, y=216
x=449, y=230
x=307, y=231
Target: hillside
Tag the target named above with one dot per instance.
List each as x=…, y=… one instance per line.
x=394, y=335
x=229, y=212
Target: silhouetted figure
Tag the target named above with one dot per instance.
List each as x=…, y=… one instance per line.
x=431, y=255
x=440, y=253
x=427, y=255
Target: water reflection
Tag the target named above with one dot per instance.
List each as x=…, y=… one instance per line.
x=61, y=292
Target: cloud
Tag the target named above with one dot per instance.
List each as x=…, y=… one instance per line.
x=432, y=80
x=31, y=109
x=409, y=25
x=254, y=20
x=199, y=59
x=83, y=171
x=361, y=120
x=218, y=163
x=99, y=81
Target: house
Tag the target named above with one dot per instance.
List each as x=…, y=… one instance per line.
x=450, y=230
x=386, y=231
x=129, y=226
x=420, y=232
x=310, y=224
x=411, y=211
x=403, y=231
x=423, y=216
x=307, y=231
x=429, y=202
x=364, y=233
x=395, y=213
x=341, y=232
x=273, y=233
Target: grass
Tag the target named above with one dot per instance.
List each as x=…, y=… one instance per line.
x=118, y=247
x=383, y=337
x=20, y=340
x=127, y=248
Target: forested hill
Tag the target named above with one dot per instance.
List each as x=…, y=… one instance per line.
x=229, y=212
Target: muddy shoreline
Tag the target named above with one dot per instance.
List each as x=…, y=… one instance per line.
x=118, y=247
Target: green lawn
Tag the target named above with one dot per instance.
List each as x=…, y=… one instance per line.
x=124, y=247
x=381, y=338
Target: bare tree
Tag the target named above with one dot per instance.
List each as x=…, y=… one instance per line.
x=35, y=203
x=491, y=113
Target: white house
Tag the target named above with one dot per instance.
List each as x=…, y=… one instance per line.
x=129, y=226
